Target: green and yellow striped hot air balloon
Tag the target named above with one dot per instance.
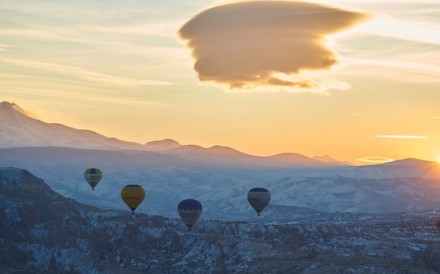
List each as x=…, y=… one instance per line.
x=93, y=176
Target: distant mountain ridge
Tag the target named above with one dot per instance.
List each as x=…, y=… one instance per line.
x=17, y=129
x=221, y=176
x=328, y=159
x=409, y=162
x=162, y=144
x=409, y=167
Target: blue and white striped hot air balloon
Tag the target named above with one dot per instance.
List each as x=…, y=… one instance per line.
x=189, y=211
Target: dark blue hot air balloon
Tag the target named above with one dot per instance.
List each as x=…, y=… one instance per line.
x=259, y=198
x=189, y=211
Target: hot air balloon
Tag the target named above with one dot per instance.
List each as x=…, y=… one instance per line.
x=190, y=210
x=259, y=198
x=437, y=224
x=93, y=176
x=132, y=195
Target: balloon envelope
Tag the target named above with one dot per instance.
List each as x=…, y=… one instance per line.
x=259, y=198
x=93, y=176
x=189, y=211
x=132, y=195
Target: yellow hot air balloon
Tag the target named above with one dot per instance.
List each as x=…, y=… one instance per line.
x=93, y=176
x=132, y=195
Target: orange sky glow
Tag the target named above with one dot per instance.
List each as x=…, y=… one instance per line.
x=356, y=80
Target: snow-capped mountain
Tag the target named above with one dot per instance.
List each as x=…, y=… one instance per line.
x=286, y=159
x=17, y=129
x=330, y=160
x=222, y=156
x=222, y=190
x=219, y=176
x=404, y=168
x=44, y=232
x=345, y=194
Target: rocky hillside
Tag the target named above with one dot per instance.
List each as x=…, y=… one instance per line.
x=44, y=232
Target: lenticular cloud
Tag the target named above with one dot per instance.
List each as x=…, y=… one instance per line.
x=249, y=44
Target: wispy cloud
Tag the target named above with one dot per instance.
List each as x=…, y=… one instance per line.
x=84, y=74
x=4, y=47
x=424, y=32
x=404, y=71
x=402, y=136
x=75, y=11
x=161, y=29
x=397, y=44
x=262, y=40
x=38, y=34
x=90, y=94
x=374, y=159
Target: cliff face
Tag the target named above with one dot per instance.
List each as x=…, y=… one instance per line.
x=44, y=232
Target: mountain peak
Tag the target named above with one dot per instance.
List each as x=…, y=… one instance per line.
x=11, y=107
x=162, y=144
x=6, y=104
x=225, y=150
x=11, y=115
x=329, y=160
x=19, y=129
x=409, y=162
x=291, y=159
x=324, y=158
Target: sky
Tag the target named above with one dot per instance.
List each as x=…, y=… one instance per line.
x=356, y=80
